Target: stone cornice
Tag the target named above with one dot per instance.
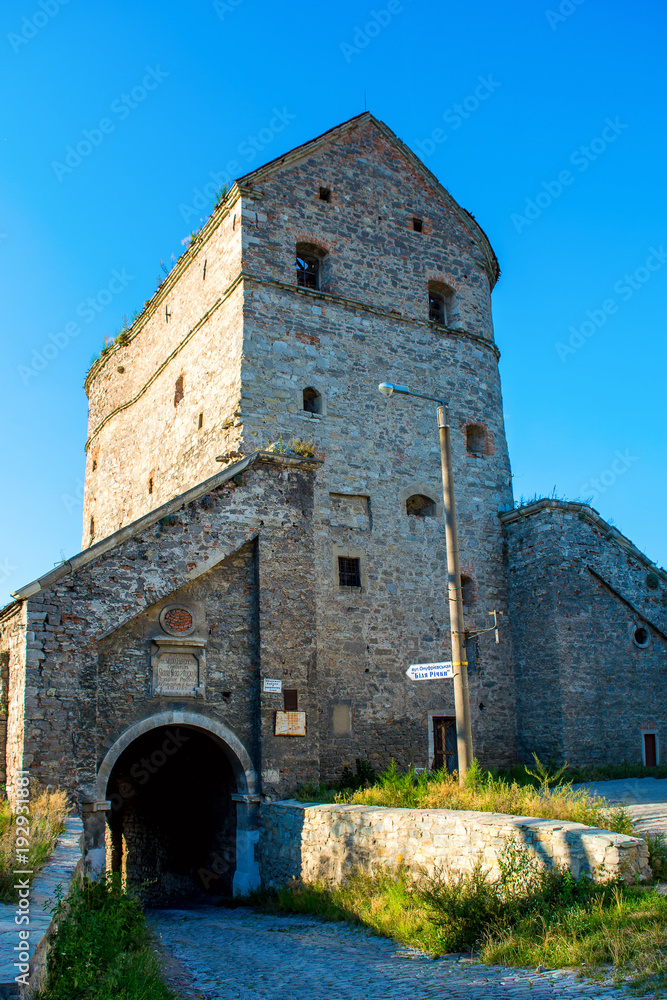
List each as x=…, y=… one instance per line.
x=436, y=328
x=285, y=286
x=220, y=212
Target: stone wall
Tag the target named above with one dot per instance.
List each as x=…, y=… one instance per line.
x=312, y=842
x=18, y=654
x=246, y=368
x=579, y=591
x=191, y=329
x=239, y=553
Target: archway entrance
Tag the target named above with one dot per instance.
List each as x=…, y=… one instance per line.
x=171, y=828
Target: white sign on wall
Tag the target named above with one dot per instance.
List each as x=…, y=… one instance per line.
x=272, y=686
x=430, y=671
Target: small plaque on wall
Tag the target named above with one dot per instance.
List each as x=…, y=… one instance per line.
x=272, y=686
x=178, y=669
x=290, y=723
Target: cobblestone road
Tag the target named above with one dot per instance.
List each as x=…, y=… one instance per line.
x=230, y=954
x=233, y=954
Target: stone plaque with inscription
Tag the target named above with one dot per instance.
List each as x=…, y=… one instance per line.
x=290, y=723
x=178, y=672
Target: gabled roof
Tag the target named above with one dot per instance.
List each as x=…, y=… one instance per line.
x=165, y=510
x=489, y=260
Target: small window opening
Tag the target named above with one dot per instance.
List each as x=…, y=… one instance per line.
x=200, y=421
x=467, y=591
x=291, y=700
x=178, y=391
x=476, y=439
x=92, y=526
x=420, y=506
x=441, y=303
x=437, y=312
x=312, y=400
x=325, y=194
x=150, y=485
x=349, y=572
x=418, y=225
x=641, y=637
x=94, y=464
x=307, y=271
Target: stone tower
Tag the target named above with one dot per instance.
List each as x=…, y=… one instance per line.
x=239, y=349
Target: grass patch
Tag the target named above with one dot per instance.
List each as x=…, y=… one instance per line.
x=48, y=810
x=483, y=791
x=528, y=917
x=102, y=949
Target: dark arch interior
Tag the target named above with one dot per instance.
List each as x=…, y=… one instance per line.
x=172, y=822
x=419, y=505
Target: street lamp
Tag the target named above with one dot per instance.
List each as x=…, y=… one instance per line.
x=459, y=662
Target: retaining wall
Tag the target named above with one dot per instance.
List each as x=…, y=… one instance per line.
x=311, y=842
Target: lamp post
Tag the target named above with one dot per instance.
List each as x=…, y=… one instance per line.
x=459, y=662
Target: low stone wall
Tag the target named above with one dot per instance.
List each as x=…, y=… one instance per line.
x=311, y=842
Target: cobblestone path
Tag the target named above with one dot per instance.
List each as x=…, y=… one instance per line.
x=230, y=954
x=644, y=798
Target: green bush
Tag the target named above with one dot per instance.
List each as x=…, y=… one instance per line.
x=102, y=947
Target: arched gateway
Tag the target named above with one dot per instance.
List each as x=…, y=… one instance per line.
x=179, y=795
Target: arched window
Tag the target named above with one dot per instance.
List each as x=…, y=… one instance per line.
x=420, y=506
x=312, y=400
x=476, y=439
x=178, y=390
x=309, y=260
x=440, y=303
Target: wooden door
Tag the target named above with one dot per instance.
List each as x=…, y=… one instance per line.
x=650, y=754
x=444, y=743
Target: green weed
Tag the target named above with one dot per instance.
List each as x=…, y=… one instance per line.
x=48, y=810
x=102, y=948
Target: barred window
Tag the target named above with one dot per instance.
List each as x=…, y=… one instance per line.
x=349, y=572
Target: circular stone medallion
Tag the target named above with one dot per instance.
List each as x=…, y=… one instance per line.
x=176, y=619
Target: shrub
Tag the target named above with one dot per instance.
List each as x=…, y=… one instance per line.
x=102, y=947
x=657, y=854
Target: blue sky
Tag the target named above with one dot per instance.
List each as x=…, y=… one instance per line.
x=545, y=121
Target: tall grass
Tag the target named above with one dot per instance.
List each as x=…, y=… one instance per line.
x=48, y=810
x=102, y=949
x=530, y=916
x=483, y=792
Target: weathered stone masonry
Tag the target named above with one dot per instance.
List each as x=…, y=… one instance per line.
x=148, y=652
x=329, y=842
x=580, y=591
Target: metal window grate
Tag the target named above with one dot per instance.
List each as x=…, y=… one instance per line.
x=349, y=574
